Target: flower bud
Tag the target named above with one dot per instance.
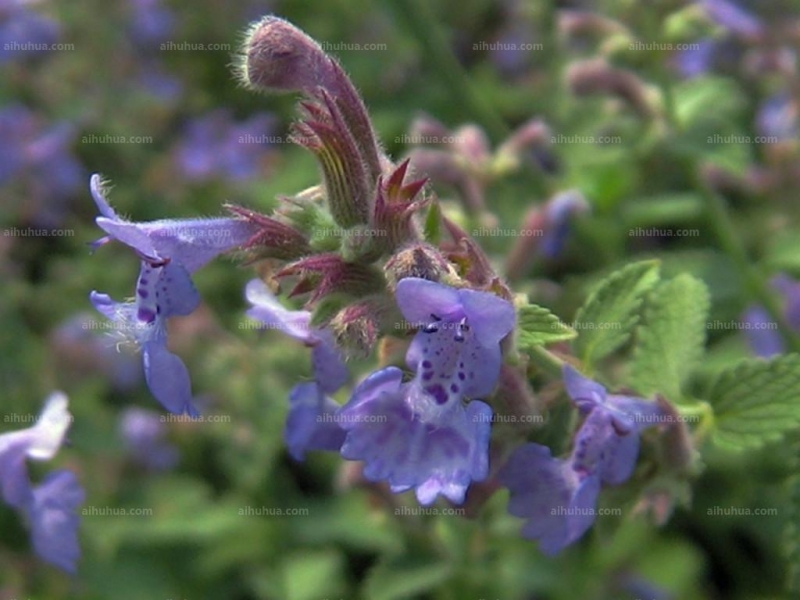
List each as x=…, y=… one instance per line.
x=596, y=76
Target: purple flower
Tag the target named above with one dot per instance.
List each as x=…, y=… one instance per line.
x=420, y=434
x=169, y=250
x=23, y=32
x=557, y=495
x=608, y=442
x=457, y=351
x=406, y=437
x=144, y=435
x=558, y=501
x=50, y=507
x=330, y=371
x=216, y=146
x=311, y=423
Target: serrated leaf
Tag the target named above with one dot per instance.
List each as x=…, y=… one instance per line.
x=756, y=402
x=672, y=338
x=538, y=326
x=405, y=578
x=605, y=321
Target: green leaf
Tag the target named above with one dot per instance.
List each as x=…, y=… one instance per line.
x=405, y=578
x=672, y=338
x=605, y=321
x=756, y=402
x=538, y=326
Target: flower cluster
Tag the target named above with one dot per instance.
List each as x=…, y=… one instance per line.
x=422, y=424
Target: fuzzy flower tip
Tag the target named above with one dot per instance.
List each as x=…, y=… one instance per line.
x=50, y=507
x=169, y=252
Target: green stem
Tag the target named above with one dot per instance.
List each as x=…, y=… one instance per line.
x=721, y=224
x=546, y=361
x=422, y=25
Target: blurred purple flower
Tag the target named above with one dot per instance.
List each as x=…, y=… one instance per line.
x=215, y=146
x=38, y=157
x=144, y=435
x=50, y=507
x=24, y=33
x=760, y=328
x=559, y=213
x=762, y=339
x=158, y=81
x=778, y=116
x=732, y=17
x=698, y=60
x=150, y=23
x=169, y=250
